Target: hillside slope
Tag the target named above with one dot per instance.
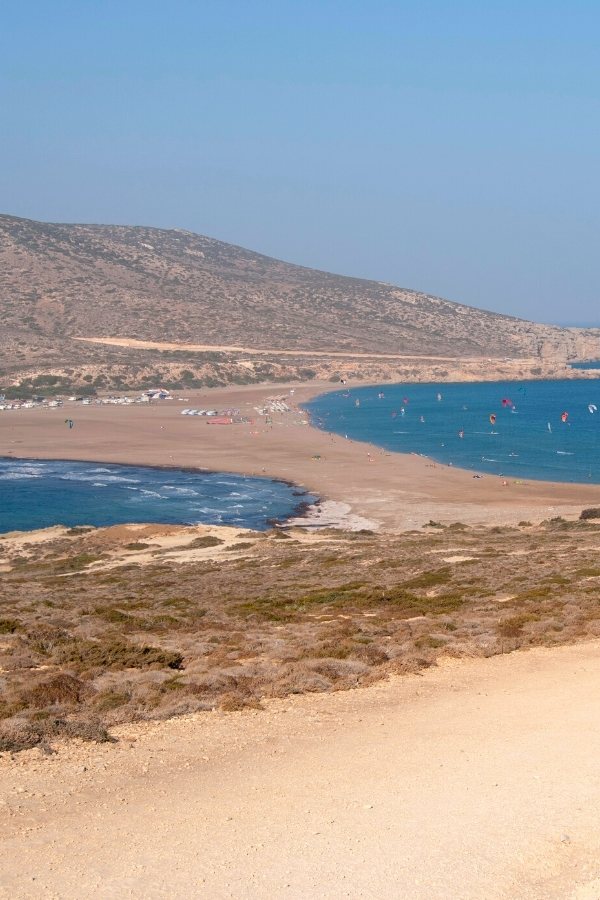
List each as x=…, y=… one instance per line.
x=58, y=282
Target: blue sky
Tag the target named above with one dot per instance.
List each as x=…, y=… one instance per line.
x=451, y=147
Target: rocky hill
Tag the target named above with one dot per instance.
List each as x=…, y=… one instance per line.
x=59, y=282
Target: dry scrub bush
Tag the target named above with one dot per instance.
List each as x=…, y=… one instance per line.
x=61, y=688
x=44, y=638
x=342, y=673
x=23, y=734
x=296, y=678
x=208, y=540
x=592, y=512
x=513, y=626
x=106, y=701
x=86, y=655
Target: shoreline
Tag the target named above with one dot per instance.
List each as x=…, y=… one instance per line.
x=395, y=490
x=321, y=513
x=432, y=459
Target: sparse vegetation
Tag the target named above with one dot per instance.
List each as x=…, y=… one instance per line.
x=84, y=648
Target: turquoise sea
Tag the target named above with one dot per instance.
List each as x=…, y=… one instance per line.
x=547, y=430
x=39, y=493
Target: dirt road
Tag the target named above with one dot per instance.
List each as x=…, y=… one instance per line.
x=479, y=780
x=253, y=351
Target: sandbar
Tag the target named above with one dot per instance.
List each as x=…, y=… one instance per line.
x=392, y=491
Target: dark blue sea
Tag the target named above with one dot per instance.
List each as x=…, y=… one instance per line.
x=547, y=430
x=39, y=493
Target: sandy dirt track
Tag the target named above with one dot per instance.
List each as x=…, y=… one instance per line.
x=479, y=779
x=253, y=351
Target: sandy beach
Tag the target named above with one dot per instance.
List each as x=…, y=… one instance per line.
x=392, y=491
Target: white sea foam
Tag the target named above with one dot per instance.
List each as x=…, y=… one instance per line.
x=112, y=479
x=182, y=491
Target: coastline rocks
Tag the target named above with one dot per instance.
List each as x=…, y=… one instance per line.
x=332, y=514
